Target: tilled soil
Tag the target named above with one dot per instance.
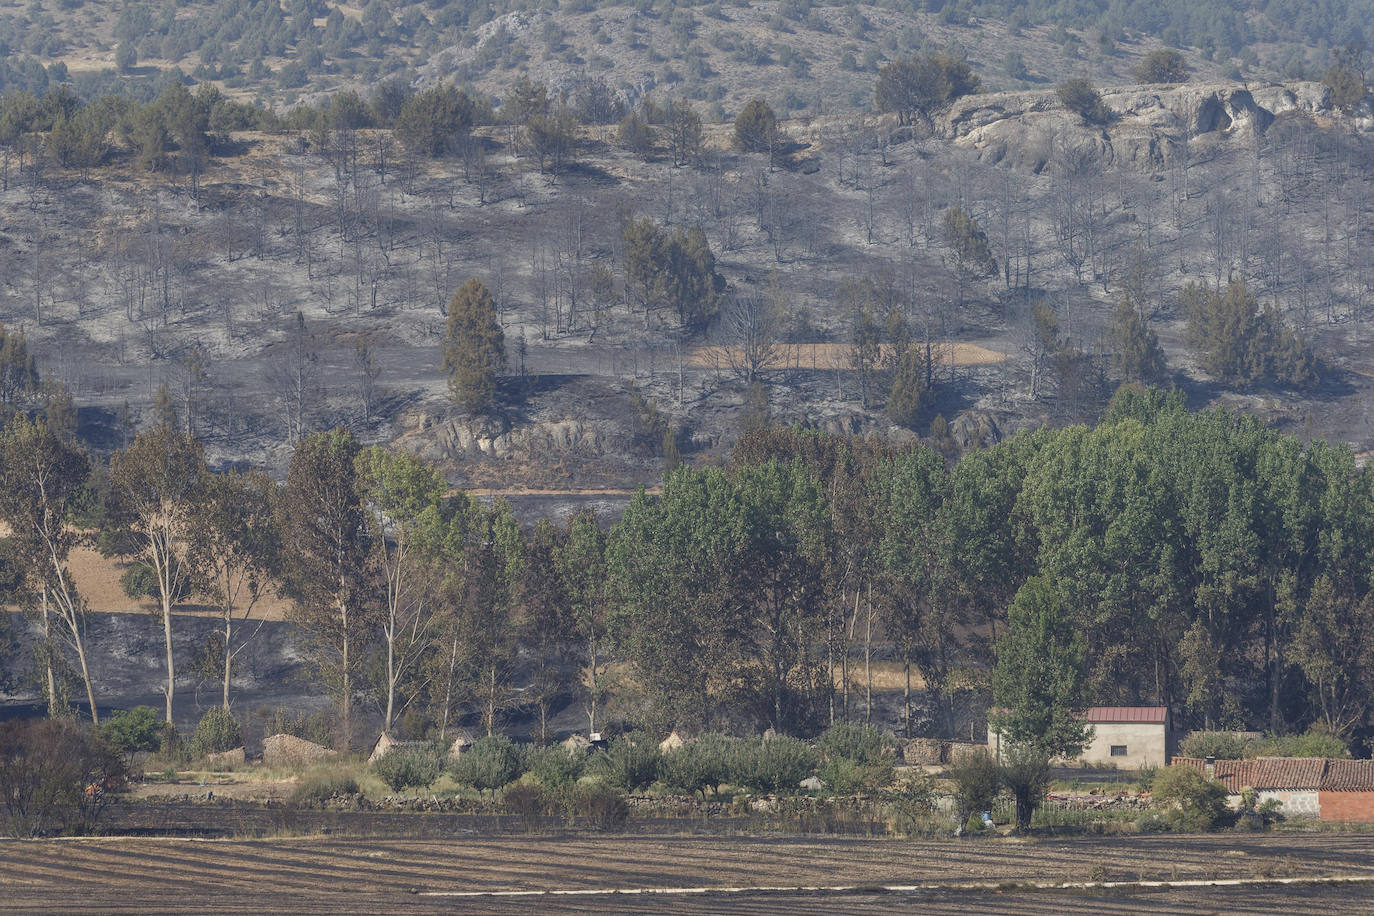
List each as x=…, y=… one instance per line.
x=358, y=875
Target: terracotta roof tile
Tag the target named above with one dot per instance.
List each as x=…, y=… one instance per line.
x=1348, y=776
x=1291, y=773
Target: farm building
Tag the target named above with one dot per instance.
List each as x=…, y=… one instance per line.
x=1332, y=790
x=1128, y=737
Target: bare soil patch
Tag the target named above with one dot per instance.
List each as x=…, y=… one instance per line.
x=337, y=875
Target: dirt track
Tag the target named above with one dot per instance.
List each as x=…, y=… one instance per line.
x=344, y=876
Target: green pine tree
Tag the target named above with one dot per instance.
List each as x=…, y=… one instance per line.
x=474, y=347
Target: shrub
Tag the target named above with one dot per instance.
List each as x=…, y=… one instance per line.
x=217, y=731
x=1190, y=800
x=600, y=806
x=628, y=763
x=774, y=765
x=1221, y=745
x=553, y=767
x=1082, y=98
x=856, y=757
x=977, y=782
x=1164, y=65
x=844, y=776
x=489, y=764
x=697, y=766
x=324, y=783
x=133, y=730
x=409, y=767
x=55, y=775
x=1026, y=774
x=1315, y=742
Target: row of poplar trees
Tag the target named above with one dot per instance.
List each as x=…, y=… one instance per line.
x=1200, y=561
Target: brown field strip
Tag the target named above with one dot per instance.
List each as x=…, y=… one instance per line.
x=829, y=357
x=333, y=875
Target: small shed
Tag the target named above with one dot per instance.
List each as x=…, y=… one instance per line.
x=462, y=740
x=1127, y=737
x=1332, y=790
x=671, y=743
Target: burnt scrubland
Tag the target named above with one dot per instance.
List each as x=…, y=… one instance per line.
x=479, y=376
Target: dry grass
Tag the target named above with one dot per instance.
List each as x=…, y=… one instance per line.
x=831, y=357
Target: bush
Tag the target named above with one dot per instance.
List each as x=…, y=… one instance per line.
x=133, y=730
x=1190, y=800
x=554, y=767
x=409, y=767
x=600, y=806
x=774, y=765
x=1221, y=745
x=55, y=776
x=856, y=757
x=216, y=732
x=1082, y=98
x=628, y=763
x=324, y=783
x=977, y=782
x=489, y=764
x=1026, y=774
x=1164, y=65
x=697, y=766
x=1315, y=742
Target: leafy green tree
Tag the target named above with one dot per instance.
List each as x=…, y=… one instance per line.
x=235, y=548
x=1026, y=774
x=922, y=84
x=18, y=371
x=409, y=767
x=216, y=732
x=581, y=565
x=1344, y=79
x=977, y=780
x=1038, y=680
x=42, y=483
x=675, y=270
x=158, y=480
x=325, y=553
x=756, y=129
x=133, y=730
x=439, y=121
x=474, y=347
x=1162, y=65
x=400, y=495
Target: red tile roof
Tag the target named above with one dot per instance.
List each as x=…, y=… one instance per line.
x=1348, y=776
x=1154, y=714
x=1289, y=773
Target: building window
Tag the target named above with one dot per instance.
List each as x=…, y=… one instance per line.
x=1118, y=750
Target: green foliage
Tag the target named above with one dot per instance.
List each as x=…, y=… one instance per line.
x=857, y=741
x=630, y=763
x=133, y=730
x=600, y=806
x=1221, y=745
x=1245, y=344
x=1315, y=742
x=756, y=128
x=772, y=765
x=1162, y=65
x=491, y=762
x=1038, y=681
x=1137, y=355
x=18, y=370
x=216, y=732
x=408, y=768
x=1191, y=800
x=977, y=779
x=1082, y=98
x=922, y=84
x=1344, y=79
x=676, y=270
x=474, y=347
x=1025, y=772
x=322, y=783
x=701, y=764
x=554, y=767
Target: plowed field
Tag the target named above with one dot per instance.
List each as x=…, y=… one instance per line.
x=712, y=875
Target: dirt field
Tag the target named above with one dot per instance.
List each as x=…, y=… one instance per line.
x=830, y=357
x=477, y=874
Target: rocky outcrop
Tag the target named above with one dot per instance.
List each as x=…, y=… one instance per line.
x=446, y=438
x=1149, y=124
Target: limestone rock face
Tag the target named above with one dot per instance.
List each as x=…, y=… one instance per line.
x=1150, y=124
